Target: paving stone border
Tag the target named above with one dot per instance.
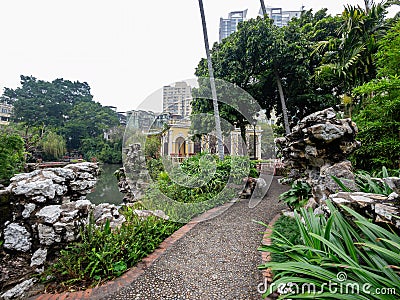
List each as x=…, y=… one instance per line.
x=127, y=278
x=266, y=256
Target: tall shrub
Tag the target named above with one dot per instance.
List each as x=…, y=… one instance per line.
x=11, y=155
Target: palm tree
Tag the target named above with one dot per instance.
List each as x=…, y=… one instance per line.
x=350, y=56
x=212, y=83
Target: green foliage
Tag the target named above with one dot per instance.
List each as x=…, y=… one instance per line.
x=298, y=195
x=88, y=120
x=287, y=227
x=378, y=121
x=106, y=151
x=199, y=183
x=349, y=60
x=260, y=53
x=105, y=253
x=53, y=145
x=153, y=146
x=11, y=156
x=59, y=112
x=367, y=253
x=39, y=102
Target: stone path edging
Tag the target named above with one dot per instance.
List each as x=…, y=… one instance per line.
x=131, y=275
x=266, y=256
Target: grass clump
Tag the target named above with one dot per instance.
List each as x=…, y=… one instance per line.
x=287, y=227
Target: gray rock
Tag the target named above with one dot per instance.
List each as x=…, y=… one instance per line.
x=28, y=209
x=65, y=173
x=91, y=168
x=311, y=203
x=83, y=185
x=317, y=149
x=147, y=213
x=110, y=212
x=393, y=183
x=375, y=206
x=84, y=205
x=39, y=199
x=49, y=174
x=50, y=214
x=289, y=214
x=326, y=132
x=39, y=257
x=47, y=235
x=16, y=237
x=393, y=196
x=43, y=187
x=18, y=290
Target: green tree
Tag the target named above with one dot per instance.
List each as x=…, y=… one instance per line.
x=38, y=102
x=88, y=120
x=275, y=65
x=153, y=146
x=350, y=59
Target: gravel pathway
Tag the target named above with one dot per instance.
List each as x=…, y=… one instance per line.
x=217, y=259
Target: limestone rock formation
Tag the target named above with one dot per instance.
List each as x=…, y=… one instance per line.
x=317, y=148
x=133, y=177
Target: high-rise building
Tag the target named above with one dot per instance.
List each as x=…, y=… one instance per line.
x=177, y=98
x=229, y=26
x=281, y=17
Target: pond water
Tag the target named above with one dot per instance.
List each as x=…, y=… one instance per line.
x=106, y=189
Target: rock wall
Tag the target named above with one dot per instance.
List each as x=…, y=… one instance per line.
x=317, y=148
x=47, y=210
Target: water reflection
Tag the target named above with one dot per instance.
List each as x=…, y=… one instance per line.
x=106, y=189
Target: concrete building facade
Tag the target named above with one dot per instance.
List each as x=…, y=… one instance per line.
x=229, y=25
x=279, y=16
x=177, y=141
x=177, y=98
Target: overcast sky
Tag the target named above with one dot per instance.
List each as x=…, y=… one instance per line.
x=124, y=49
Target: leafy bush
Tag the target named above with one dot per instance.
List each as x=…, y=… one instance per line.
x=365, y=252
x=200, y=182
x=199, y=178
x=104, y=253
x=378, y=120
x=106, y=151
x=298, y=195
x=11, y=156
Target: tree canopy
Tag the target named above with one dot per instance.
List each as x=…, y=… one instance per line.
x=378, y=120
x=60, y=115
x=262, y=58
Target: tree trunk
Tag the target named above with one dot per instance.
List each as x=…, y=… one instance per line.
x=264, y=11
x=283, y=103
x=212, y=83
